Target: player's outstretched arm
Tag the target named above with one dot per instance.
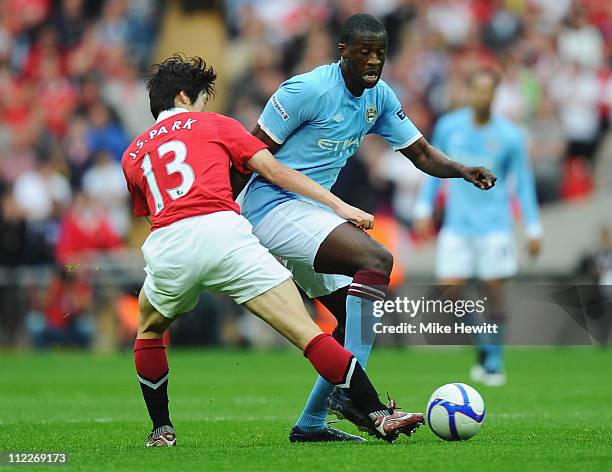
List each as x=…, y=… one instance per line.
x=434, y=162
x=239, y=180
x=272, y=170
x=260, y=134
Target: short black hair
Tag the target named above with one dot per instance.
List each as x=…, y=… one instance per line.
x=358, y=25
x=178, y=74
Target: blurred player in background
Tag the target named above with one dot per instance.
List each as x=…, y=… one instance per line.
x=476, y=238
x=178, y=173
x=313, y=123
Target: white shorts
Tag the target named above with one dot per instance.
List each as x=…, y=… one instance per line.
x=293, y=231
x=215, y=252
x=488, y=257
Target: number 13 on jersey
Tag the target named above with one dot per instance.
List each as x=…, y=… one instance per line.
x=178, y=164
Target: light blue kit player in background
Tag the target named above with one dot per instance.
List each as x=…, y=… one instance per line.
x=476, y=240
x=313, y=123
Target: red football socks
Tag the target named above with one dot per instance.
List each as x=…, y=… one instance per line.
x=338, y=366
x=152, y=369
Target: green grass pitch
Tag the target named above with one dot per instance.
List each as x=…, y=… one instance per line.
x=233, y=409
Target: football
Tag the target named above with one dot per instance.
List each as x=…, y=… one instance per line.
x=455, y=412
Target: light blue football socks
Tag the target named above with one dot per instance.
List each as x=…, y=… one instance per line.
x=367, y=287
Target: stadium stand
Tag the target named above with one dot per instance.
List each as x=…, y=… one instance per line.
x=72, y=97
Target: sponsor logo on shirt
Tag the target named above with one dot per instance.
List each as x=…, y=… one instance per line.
x=279, y=108
x=339, y=145
x=400, y=114
x=370, y=114
x=338, y=118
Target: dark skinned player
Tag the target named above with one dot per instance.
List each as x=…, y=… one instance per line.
x=177, y=172
x=314, y=123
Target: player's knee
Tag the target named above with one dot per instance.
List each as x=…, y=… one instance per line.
x=386, y=261
x=379, y=259
x=155, y=323
x=151, y=321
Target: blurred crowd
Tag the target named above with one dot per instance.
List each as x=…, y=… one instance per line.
x=554, y=57
x=72, y=97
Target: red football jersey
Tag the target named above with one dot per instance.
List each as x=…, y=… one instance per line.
x=180, y=167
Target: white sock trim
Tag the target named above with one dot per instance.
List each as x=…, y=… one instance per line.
x=152, y=385
x=349, y=375
x=370, y=289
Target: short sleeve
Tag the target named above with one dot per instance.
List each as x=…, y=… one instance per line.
x=287, y=109
x=240, y=144
x=393, y=124
x=139, y=201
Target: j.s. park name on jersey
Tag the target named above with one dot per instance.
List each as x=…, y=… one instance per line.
x=159, y=131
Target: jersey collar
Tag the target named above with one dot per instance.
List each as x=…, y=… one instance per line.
x=168, y=113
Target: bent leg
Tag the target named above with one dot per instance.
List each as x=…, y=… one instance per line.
x=317, y=243
x=350, y=251
x=151, y=324
x=283, y=309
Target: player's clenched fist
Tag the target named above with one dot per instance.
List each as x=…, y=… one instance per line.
x=481, y=177
x=358, y=217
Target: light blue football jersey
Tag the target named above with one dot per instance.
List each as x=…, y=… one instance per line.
x=499, y=146
x=320, y=124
